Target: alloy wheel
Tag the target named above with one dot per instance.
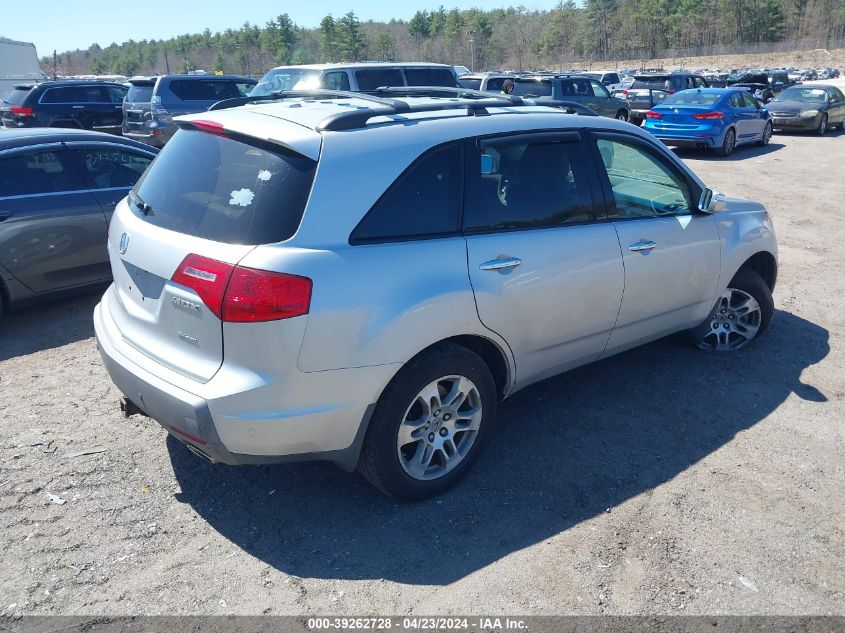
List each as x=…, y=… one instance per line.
x=439, y=427
x=733, y=323
x=729, y=143
x=767, y=134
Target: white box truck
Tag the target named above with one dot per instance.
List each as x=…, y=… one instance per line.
x=18, y=64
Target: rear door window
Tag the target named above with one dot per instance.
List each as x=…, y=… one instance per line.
x=429, y=77
x=373, y=78
x=526, y=88
x=528, y=184
x=423, y=202
x=226, y=189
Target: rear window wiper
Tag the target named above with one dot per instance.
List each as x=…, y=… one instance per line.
x=135, y=199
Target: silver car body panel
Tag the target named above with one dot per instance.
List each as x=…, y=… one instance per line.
x=303, y=386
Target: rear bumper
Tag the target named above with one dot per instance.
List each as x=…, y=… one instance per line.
x=678, y=141
x=219, y=424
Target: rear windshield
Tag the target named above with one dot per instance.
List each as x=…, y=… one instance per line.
x=533, y=88
x=655, y=82
x=209, y=89
x=691, y=97
x=286, y=79
x=142, y=93
x=470, y=84
x=222, y=189
x=430, y=77
x=16, y=96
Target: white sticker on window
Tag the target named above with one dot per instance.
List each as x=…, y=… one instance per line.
x=241, y=197
x=265, y=175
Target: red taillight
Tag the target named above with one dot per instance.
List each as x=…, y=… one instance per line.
x=242, y=295
x=651, y=114
x=21, y=111
x=259, y=295
x=709, y=115
x=207, y=277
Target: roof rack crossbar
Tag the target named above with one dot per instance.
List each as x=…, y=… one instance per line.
x=225, y=104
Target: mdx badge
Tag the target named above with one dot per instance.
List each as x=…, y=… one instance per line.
x=184, y=304
x=124, y=243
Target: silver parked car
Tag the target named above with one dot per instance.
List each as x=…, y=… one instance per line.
x=362, y=279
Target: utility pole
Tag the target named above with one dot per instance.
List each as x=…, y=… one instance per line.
x=54, y=64
x=166, y=63
x=472, y=51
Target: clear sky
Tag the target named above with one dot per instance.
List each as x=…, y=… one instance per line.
x=69, y=24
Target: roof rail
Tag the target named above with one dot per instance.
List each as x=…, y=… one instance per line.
x=445, y=91
x=298, y=94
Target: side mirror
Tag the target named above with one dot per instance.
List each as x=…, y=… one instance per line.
x=705, y=201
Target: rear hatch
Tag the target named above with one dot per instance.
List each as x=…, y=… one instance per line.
x=207, y=199
x=12, y=110
x=137, y=105
x=647, y=91
x=681, y=117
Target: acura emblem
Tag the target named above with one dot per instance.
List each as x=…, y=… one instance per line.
x=124, y=243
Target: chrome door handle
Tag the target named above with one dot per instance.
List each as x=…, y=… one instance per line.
x=499, y=264
x=645, y=245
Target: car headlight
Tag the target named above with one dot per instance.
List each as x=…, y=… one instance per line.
x=808, y=114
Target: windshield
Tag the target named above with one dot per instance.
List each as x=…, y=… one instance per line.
x=812, y=95
x=691, y=97
x=222, y=189
x=286, y=79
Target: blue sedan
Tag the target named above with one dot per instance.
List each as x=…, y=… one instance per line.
x=718, y=119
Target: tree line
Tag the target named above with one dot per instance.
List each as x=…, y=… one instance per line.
x=515, y=38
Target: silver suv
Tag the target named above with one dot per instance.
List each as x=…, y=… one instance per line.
x=362, y=279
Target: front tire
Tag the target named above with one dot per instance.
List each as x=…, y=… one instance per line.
x=767, y=135
x=822, y=128
x=430, y=424
x=741, y=314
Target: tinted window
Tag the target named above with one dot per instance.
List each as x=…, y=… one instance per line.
x=424, y=201
x=372, y=78
x=531, y=185
x=140, y=94
x=207, y=89
x=612, y=78
x=837, y=94
x=655, y=82
x=42, y=172
x=115, y=94
x=16, y=96
x=336, y=81
x=429, y=77
x=471, y=84
x=495, y=84
x=737, y=100
x=222, y=189
x=76, y=94
x=699, y=82
x=113, y=167
x=643, y=185
x=534, y=88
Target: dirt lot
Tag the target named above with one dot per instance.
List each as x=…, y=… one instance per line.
x=664, y=480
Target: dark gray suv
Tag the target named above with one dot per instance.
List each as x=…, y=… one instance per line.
x=152, y=102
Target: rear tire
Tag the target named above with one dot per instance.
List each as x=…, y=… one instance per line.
x=728, y=144
x=740, y=315
x=636, y=121
x=622, y=115
x=419, y=441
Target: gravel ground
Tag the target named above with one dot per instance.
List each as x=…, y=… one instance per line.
x=664, y=480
